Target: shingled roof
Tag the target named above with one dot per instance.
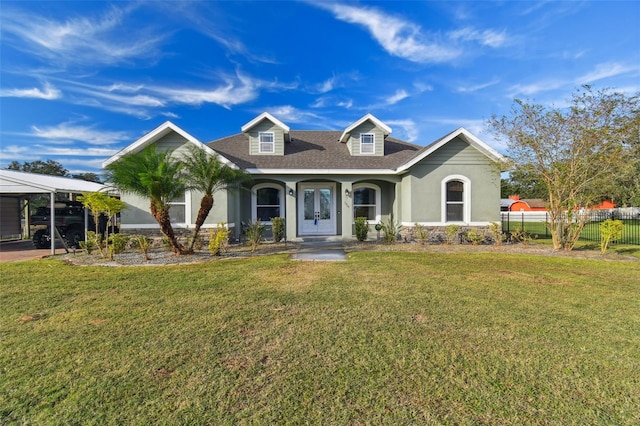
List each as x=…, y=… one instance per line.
x=315, y=150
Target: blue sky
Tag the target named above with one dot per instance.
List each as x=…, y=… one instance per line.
x=81, y=80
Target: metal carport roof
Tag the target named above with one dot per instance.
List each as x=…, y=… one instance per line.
x=21, y=183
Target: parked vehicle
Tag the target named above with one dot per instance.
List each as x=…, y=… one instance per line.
x=69, y=221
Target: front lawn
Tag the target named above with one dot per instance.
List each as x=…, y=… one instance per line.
x=384, y=338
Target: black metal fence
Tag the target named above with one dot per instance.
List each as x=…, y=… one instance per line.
x=536, y=224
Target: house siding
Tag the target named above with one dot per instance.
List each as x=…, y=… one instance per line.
x=266, y=126
x=455, y=158
x=353, y=143
x=175, y=142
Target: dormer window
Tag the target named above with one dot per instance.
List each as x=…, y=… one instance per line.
x=267, y=144
x=367, y=143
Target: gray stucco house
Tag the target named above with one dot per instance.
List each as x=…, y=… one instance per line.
x=319, y=181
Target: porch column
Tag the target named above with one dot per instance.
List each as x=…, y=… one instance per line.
x=347, y=210
x=291, y=209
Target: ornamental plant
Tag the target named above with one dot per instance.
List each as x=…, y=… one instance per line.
x=277, y=227
x=610, y=231
x=362, y=228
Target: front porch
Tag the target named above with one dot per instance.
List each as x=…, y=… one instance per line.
x=319, y=209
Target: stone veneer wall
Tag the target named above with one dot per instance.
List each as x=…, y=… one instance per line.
x=438, y=235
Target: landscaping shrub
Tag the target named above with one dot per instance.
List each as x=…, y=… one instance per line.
x=421, y=233
x=254, y=231
x=91, y=244
x=362, y=228
x=219, y=239
x=142, y=243
x=118, y=242
x=390, y=230
x=474, y=236
x=452, y=233
x=495, y=228
x=610, y=231
x=277, y=227
x=522, y=236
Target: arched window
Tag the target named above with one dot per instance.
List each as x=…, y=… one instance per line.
x=455, y=202
x=456, y=205
x=366, y=201
x=267, y=201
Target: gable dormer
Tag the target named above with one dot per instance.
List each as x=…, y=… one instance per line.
x=366, y=136
x=267, y=135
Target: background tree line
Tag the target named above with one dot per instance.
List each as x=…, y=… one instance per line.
x=53, y=168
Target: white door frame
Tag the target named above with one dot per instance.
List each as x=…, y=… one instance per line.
x=327, y=228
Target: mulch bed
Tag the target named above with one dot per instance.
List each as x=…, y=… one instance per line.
x=164, y=256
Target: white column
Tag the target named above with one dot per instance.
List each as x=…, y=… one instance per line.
x=347, y=210
x=52, y=230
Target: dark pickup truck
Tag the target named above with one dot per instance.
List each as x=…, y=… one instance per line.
x=69, y=221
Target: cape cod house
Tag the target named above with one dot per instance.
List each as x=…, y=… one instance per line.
x=319, y=181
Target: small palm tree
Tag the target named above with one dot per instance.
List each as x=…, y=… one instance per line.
x=154, y=175
x=207, y=174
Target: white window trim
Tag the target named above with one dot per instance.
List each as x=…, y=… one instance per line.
x=372, y=144
x=187, y=209
x=272, y=143
x=378, y=198
x=466, y=199
x=254, y=199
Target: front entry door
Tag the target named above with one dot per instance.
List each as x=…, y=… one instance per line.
x=317, y=209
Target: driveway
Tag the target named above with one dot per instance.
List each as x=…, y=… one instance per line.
x=14, y=251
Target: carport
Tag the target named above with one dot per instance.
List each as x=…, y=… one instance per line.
x=15, y=186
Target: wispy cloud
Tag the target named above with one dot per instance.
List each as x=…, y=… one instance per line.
x=72, y=132
x=47, y=92
x=397, y=97
x=599, y=72
x=409, y=130
x=291, y=114
x=235, y=90
x=397, y=36
x=607, y=70
x=486, y=38
x=84, y=40
x=476, y=87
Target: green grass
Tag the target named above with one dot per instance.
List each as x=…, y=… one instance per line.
x=385, y=338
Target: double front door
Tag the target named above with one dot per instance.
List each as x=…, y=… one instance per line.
x=317, y=209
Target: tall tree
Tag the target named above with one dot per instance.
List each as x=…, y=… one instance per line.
x=49, y=167
x=88, y=176
x=207, y=174
x=525, y=182
x=157, y=176
x=575, y=151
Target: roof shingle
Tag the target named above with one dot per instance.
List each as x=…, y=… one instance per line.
x=314, y=149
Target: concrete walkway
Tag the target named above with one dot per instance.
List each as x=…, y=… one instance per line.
x=15, y=251
x=320, y=252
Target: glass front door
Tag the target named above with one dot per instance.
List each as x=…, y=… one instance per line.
x=317, y=209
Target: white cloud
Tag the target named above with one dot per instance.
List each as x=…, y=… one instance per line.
x=533, y=88
x=83, y=40
x=397, y=97
x=47, y=92
x=291, y=114
x=476, y=87
x=397, y=36
x=409, y=130
x=422, y=87
x=71, y=132
x=603, y=71
x=234, y=91
x=327, y=85
x=486, y=38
